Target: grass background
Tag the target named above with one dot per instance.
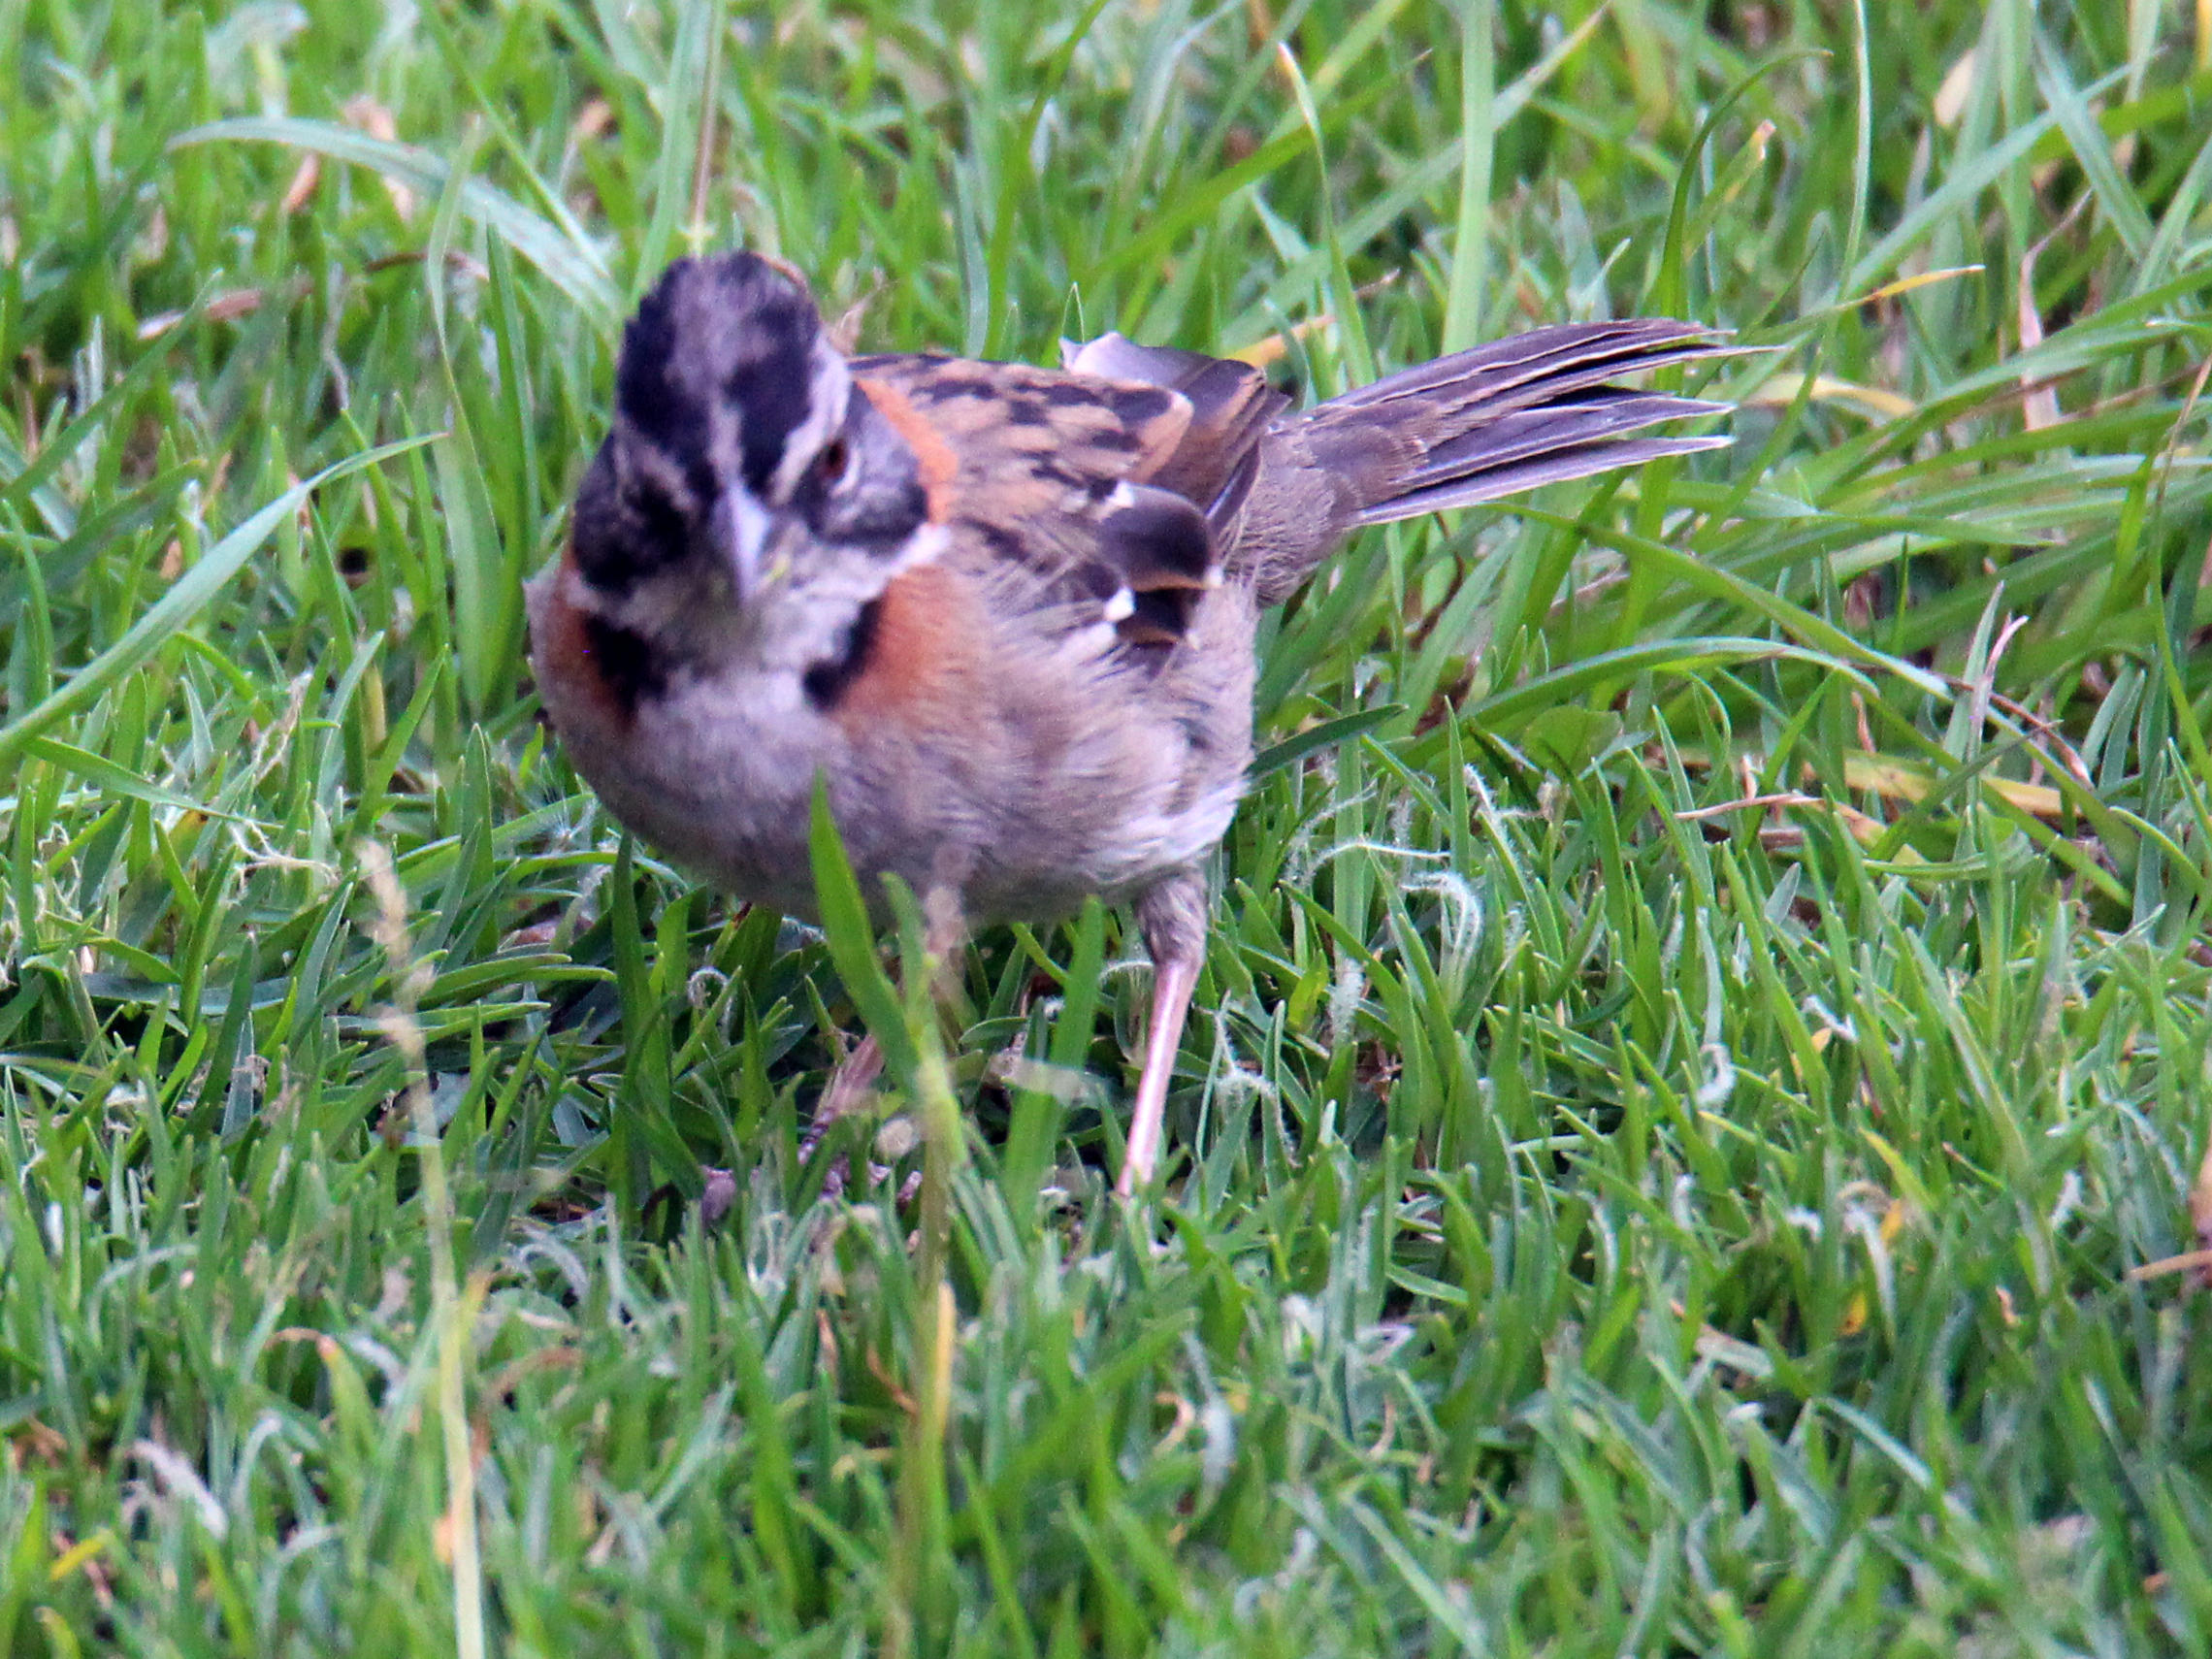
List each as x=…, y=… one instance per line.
x=1610, y=1218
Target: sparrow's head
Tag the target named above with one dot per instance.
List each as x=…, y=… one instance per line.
x=742, y=465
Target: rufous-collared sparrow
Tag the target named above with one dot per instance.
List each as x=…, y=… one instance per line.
x=1005, y=613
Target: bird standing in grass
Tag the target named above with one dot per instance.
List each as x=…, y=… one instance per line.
x=1006, y=614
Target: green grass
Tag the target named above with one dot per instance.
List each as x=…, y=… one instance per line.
x=1598, y=1228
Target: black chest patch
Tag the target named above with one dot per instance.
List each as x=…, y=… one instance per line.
x=626, y=663
x=828, y=681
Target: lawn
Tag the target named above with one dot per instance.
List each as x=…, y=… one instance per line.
x=1707, y=1010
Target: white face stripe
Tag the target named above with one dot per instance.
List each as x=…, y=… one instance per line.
x=830, y=389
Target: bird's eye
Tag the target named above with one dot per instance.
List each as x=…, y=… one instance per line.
x=829, y=465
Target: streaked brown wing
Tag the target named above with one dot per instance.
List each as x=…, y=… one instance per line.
x=1117, y=491
x=1231, y=405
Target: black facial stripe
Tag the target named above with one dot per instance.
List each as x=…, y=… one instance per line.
x=627, y=665
x=880, y=519
x=623, y=535
x=828, y=680
x=666, y=528
x=878, y=501
x=642, y=386
x=699, y=479
x=718, y=337
x=774, y=390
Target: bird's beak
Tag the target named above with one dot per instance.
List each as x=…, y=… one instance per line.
x=742, y=528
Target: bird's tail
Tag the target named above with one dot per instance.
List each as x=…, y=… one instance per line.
x=1534, y=409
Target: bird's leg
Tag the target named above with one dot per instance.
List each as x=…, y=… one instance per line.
x=936, y=1109
x=1173, y=917
x=853, y=1081
x=1173, y=979
x=944, y=935
x=850, y=1084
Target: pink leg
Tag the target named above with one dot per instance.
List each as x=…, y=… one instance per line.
x=1173, y=978
x=848, y=1085
x=846, y=1091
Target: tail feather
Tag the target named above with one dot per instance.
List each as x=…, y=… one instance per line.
x=1532, y=410
x=1528, y=433
x=1556, y=466
x=1536, y=408
x=1521, y=368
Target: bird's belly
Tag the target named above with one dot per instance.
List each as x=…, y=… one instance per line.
x=722, y=783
